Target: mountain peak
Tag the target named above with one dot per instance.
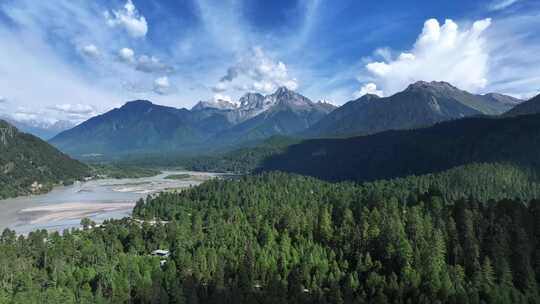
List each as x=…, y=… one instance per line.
x=432, y=85
x=503, y=98
x=325, y=102
x=251, y=99
x=138, y=103
x=284, y=92
x=219, y=104
x=282, y=89
x=288, y=98
x=369, y=97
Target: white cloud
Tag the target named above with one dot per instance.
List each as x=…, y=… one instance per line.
x=24, y=117
x=90, y=50
x=3, y=99
x=151, y=64
x=221, y=86
x=143, y=63
x=74, y=109
x=126, y=55
x=513, y=44
x=24, y=51
x=256, y=71
x=440, y=53
x=218, y=97
x=368, y=88
x=129, y=19
x=75, y=113
x=162, y=85
x=497, y=5
x=35, y=117
x=385, y=53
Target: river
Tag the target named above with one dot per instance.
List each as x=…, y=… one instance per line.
x=64, y=207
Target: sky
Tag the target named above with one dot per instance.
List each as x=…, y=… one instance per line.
x=73, y=59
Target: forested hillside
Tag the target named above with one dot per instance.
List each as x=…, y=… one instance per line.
x=278, y=238
x=30, y=165
x=242, y=160
x=531, y=106
x=401, y=153
x=135, y=127
x=390, y=154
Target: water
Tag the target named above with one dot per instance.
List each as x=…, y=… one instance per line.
x=64, y=207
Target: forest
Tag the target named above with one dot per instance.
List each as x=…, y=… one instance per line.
x=28, y=165
x=385, y=155
x=242, y=159
x=111, y=170
x=285, y=238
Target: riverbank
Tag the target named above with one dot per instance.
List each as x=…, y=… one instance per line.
x=70, y=211
x=101, y=199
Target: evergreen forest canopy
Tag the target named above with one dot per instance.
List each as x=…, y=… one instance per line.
x=419, y=151
x=454, y=237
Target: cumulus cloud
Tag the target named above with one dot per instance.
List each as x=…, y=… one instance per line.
x=368, y=88
x=126, y=55
x=385, y=53
x=143, y=63
x=497, y=5
x=444, y=53
x=129, y=19
x=151, y=64
x=256, y=71
x=3, y=99
x=90, y=50
x=162, y=85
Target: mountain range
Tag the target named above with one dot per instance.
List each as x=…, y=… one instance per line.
x=30, y=165
x=381, y=155
x=43, y=130
x=143, y=127
x=421, y=104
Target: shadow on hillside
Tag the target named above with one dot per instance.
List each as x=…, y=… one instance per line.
x=414, y=152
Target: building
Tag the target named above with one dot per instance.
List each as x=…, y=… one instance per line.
x=161, y=253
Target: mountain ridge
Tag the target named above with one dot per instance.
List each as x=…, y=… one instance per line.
x=140, y=126
x=399, y=153
x=285, y=112
x=531, y=106
x=420, y=104
x=44, y=131
x=143, y=127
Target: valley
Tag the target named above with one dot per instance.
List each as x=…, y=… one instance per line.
x=431, y=193
x=269, y=152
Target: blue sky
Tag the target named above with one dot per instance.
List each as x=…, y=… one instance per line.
x=65, y=59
